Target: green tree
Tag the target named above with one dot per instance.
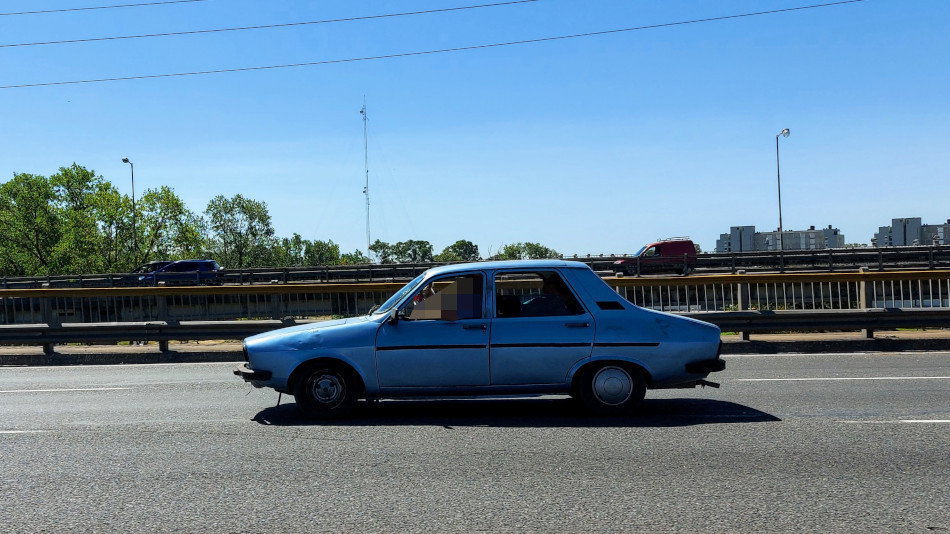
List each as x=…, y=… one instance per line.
x=166, y=228
x=286, y=252
x=115, y=240
x=383, y=251
x=322, y=253
x=30, y=226
x=83, y=200
x=77, y=222
x=526, y=251
x=240, y=231
x=354, y=258
x=72, y=222
x=412, y=251
x=461, y=250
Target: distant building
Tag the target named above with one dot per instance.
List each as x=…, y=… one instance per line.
x=739, y=239
x=745, y=238
x=909, y=231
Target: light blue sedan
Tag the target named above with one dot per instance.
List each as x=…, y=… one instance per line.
x=493, y=328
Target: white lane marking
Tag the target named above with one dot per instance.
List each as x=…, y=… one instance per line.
x=842, y=378
x=925, y=420
x=23, y=431
x=874, y=354
x=898, y=421
x=60, y=390
x=134, y=365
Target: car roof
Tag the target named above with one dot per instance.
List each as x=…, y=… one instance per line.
x=194, y=261
x=506, y=264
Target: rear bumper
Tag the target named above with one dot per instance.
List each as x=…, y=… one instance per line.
x=250, y=375
x=706, y=366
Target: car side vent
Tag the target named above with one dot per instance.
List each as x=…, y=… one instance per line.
x=609, y=305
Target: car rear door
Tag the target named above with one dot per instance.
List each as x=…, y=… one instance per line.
x=539, y=329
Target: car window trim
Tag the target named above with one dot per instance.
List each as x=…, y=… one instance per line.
x=557, y=270
x=405, y=302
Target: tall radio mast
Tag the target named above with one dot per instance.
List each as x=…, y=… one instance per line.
x=366, y=165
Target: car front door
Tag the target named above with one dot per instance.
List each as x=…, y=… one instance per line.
x=440, y=337
x=539, y=329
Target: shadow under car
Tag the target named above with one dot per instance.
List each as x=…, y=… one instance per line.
x=528, y=412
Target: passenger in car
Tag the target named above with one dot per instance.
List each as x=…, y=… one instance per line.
x=552, y=300
x=508, y=305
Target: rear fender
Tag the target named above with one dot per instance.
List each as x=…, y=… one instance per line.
x=583, y=365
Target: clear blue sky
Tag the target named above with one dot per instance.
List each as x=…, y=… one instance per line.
x=587, y=145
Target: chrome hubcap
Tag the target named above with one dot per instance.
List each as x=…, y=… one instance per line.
x=612, y=385
x=327, y=388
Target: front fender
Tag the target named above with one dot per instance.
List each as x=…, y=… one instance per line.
x=283, y=351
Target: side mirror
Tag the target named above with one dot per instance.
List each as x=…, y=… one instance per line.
x=393, y=316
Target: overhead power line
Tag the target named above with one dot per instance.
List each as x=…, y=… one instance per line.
x=439, y=51
x=266, y=26
x=142, y=4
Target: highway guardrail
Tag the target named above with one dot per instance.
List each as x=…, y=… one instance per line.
x=823, y=260
x=764, y=321
x=744, y=303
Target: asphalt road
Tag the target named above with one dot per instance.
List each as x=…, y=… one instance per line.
x=810, y=443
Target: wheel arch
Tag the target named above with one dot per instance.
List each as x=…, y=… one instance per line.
x=588, y=365
x=317, y=361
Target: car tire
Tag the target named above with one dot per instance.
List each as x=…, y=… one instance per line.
x=327, y=391
x=612, y=389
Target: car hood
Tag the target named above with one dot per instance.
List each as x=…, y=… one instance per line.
x=307, y=327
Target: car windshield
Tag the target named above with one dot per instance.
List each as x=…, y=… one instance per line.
x=150, y=267
x=640, y=251
x=393, y=300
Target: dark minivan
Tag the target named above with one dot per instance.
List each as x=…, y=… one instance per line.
x=181, y=272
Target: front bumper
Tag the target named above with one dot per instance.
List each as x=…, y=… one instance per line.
x=250, y=375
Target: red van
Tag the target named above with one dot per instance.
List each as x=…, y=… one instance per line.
x=673, y=255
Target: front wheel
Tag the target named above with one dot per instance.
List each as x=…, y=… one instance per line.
x=612, y=389
x=327, y=391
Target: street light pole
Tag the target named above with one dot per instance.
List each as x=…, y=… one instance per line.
x=134, y=238
x=778, y=170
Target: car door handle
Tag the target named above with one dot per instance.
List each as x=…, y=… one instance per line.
x=585, y=324
x=474, y=326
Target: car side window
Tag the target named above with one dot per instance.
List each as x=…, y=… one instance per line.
x=534, y=294
x=447, y=299
x=180, y=267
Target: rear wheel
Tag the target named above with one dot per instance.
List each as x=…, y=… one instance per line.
x=326, y=391
x=612, y=389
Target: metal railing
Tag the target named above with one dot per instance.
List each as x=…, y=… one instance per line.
x=58, y=306
x=932, y=257
x=810, y=291
x=756, y=301
x=801, y=291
